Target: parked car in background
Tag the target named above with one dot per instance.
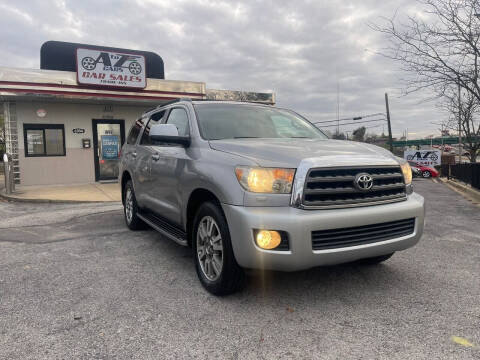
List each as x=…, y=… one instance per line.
x=425, y=171
x=416, y=172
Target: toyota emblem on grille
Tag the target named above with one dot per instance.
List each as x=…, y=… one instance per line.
x=363, y=182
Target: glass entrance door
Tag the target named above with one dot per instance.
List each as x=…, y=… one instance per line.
x=108, y=138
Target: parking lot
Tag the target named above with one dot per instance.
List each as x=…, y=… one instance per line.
x=76, y=283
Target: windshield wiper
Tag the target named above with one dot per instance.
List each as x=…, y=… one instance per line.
x=246, y=137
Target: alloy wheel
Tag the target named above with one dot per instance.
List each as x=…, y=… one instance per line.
x=209, y=248
x=129, y=205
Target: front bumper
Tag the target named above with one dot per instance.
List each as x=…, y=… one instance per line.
x=300, y=223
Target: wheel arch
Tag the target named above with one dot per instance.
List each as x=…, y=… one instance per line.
x=196, y=198
x=126, y=176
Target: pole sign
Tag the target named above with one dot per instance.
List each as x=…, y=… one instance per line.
x=424, y=157
x=113, y=69
x=109, y=147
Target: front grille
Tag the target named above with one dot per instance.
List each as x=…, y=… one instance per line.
x=359, y=235
x=325, y=187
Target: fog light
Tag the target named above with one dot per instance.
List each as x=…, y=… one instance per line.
x=267, y=239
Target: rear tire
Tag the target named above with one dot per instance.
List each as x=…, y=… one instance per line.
x=375, y=260
x=217, y=269
x=426, y=174
x=130, y=208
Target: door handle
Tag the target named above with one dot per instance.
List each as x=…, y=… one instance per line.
x=134, y=154
x=155, y=157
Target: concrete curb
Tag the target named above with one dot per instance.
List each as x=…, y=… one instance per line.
x=14, y=198
x=465, y=189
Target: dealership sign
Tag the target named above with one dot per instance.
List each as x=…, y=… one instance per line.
x=424, y=157
x=107, y=68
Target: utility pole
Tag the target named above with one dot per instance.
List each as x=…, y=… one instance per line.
x=459, y=126
x=389, y=125
x=338, y=108
x=441, y=133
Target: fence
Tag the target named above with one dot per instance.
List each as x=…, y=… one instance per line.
x=468, y=173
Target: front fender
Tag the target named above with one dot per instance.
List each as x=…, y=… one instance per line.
x=213, y=171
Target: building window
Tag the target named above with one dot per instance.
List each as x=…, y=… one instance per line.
x=44, y=140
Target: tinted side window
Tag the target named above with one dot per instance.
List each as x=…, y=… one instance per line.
x=179, y=118
x=154, y=119
x=134, y=131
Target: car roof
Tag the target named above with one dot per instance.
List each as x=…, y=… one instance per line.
x=230, y=102
x=205, y=101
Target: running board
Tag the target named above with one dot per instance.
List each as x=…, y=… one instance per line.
x=163, y=227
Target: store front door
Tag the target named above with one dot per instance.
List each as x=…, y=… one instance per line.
x=108, y=138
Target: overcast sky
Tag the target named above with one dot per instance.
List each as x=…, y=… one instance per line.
x=300, y=50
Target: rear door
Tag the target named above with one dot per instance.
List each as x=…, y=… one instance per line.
x=168, y=165
x=129, y=150
x=145, y=150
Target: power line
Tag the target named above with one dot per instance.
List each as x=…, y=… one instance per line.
x=359, y=122
x=349, y=118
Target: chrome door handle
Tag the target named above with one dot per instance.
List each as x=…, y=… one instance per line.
x=155, y=157
x=134, y=154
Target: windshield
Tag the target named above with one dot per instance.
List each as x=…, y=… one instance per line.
x=230, y=121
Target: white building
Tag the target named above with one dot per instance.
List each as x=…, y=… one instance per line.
x=65, y=129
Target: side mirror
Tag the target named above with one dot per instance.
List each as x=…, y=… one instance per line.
x=168, y=133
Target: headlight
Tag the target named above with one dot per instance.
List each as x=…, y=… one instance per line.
x=407, y=173
x=265, y=180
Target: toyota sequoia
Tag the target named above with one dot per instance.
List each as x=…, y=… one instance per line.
x=247, y=185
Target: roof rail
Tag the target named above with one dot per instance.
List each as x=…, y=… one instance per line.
x=174, y=101
x=232, y=100
x=167, y=103
x=218, y=100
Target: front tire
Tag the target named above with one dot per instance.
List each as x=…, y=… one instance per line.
x=426, y=174
x=217, y=269
x=130, y=208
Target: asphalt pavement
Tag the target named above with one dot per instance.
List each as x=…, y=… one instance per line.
x=76, y=283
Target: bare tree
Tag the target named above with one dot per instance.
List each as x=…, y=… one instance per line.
x=359, y=134
x=371, y=138
x=440, y=48
x=467, y=112
x=338, y=135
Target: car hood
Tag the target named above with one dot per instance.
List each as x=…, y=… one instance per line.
x=289, y=153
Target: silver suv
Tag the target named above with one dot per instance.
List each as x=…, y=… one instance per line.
x=255, y=186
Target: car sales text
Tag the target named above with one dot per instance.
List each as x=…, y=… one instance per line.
x=111, y=78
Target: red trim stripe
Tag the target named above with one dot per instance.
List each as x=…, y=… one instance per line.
x=95, y=87
x=82, y=94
